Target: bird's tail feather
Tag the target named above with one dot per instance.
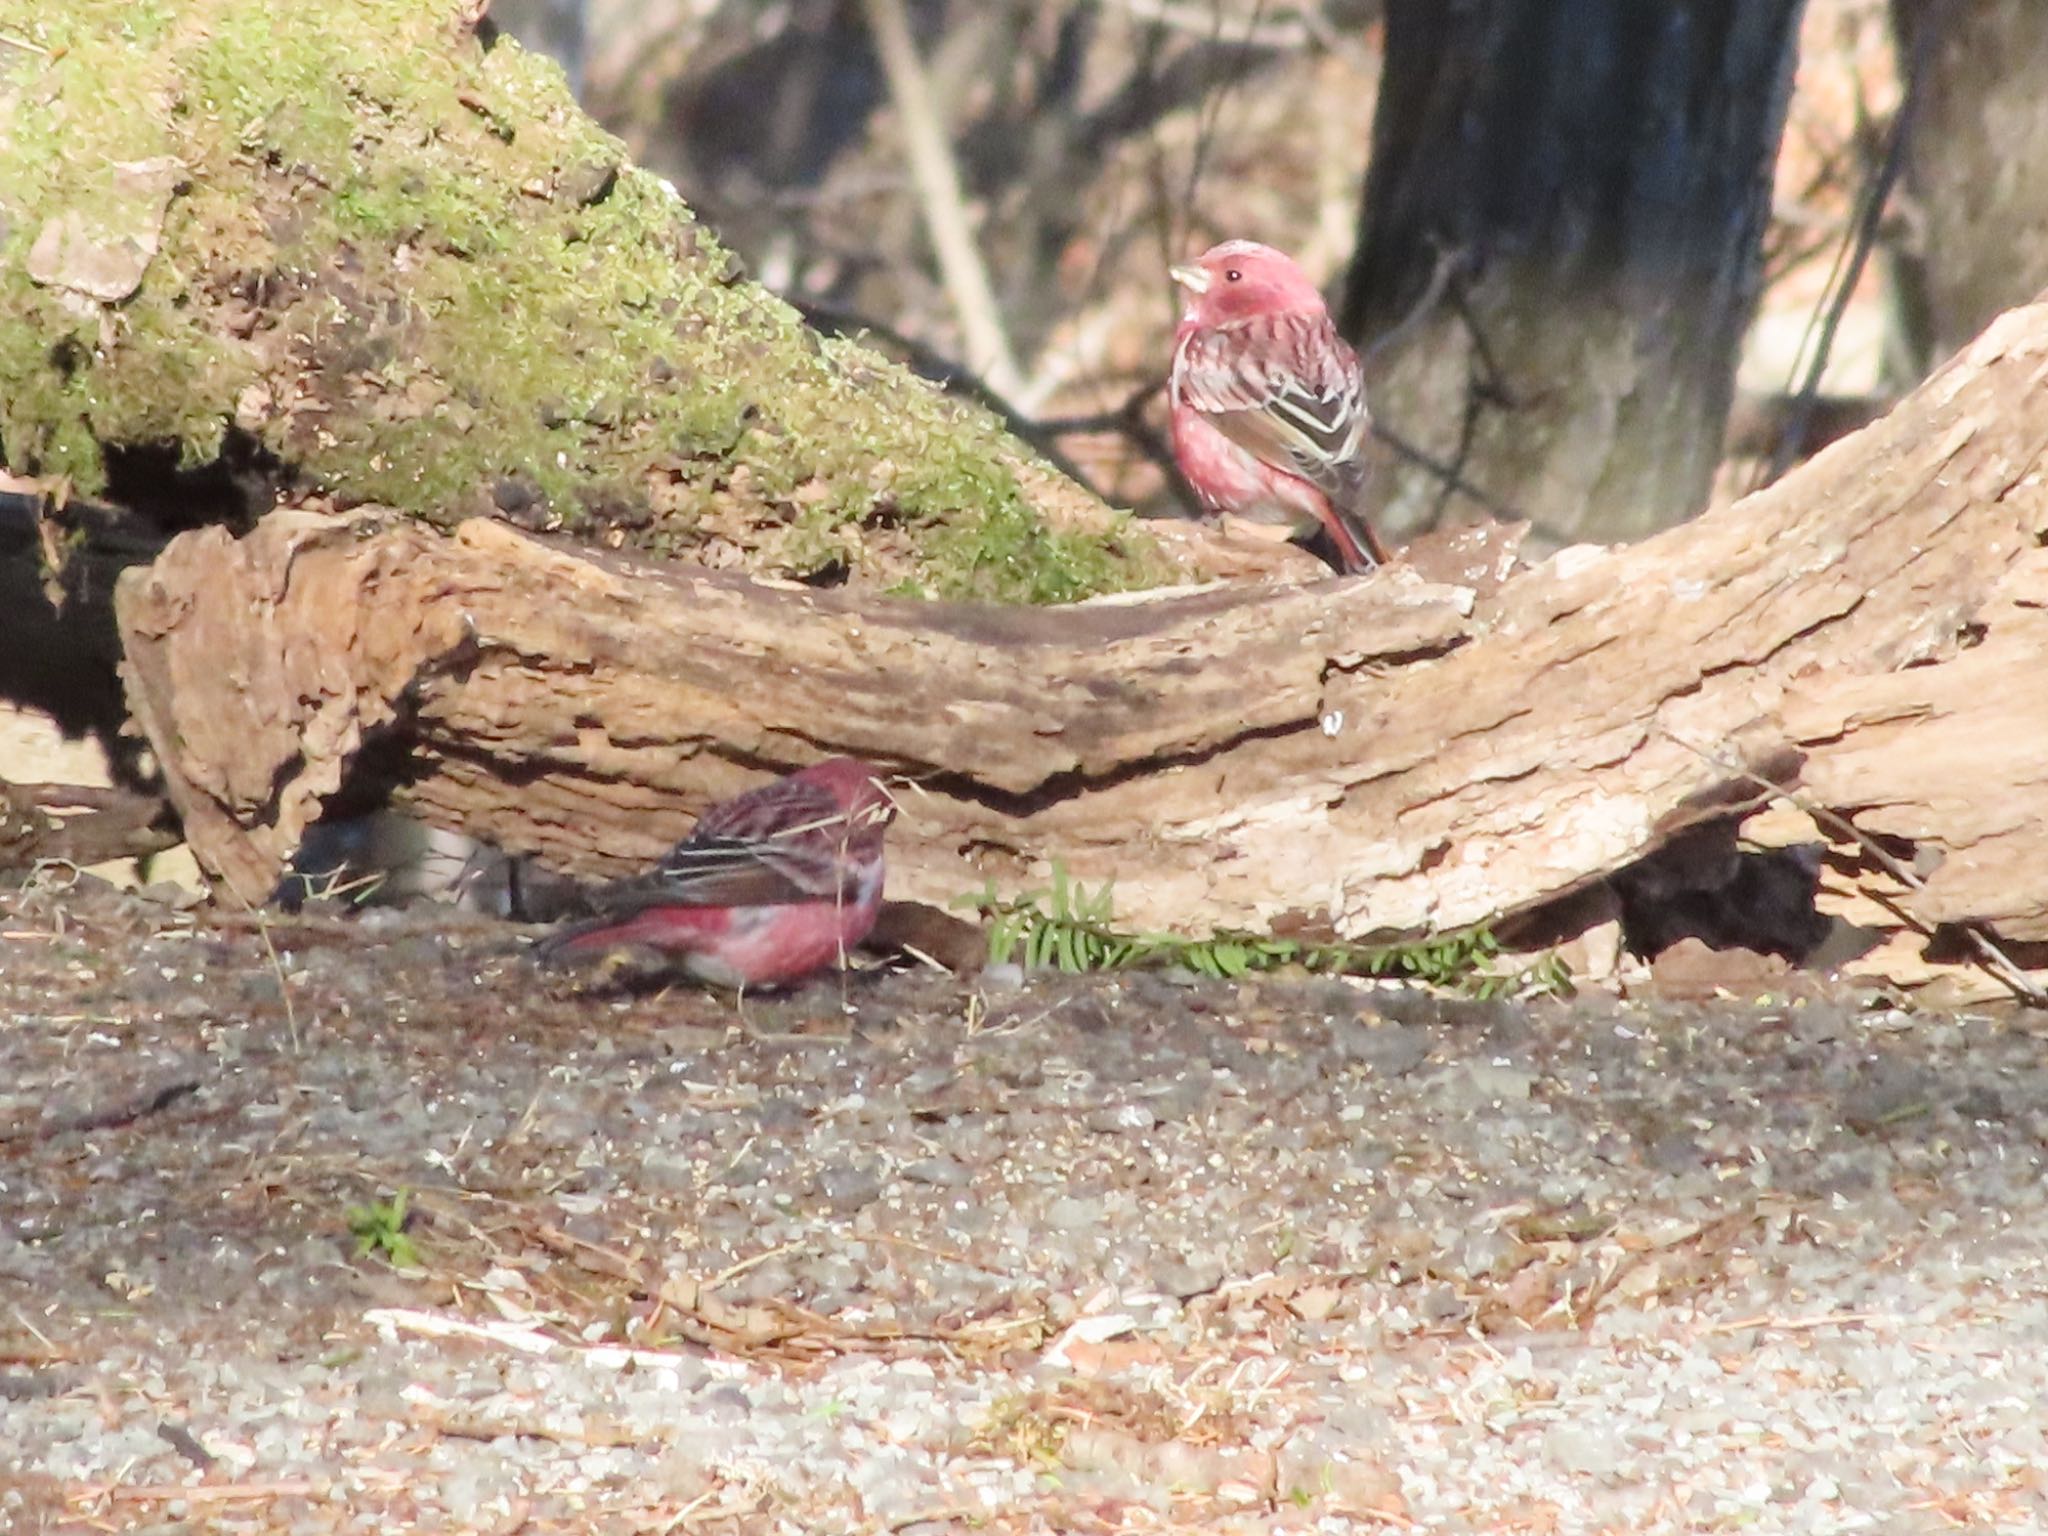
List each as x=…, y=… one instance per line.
x=1357, y=543
x=572, y=941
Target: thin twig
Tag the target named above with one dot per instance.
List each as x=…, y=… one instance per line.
x=1855, y=253
x=1448, y=473
x=937, y=176
x=1450, y=262
x=1211, y=113
x=284, y=988
x=122, y=1110
x=919, y=955
x=1282, y=34
x=196, y=1493
x=51, y=1352
x=954, y=1517
x=732, y=1272
x=1493, y=380
x=1774, y=1324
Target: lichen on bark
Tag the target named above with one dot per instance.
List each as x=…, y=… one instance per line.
x=413, y=271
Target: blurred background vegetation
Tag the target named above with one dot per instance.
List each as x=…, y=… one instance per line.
x=1095, y=141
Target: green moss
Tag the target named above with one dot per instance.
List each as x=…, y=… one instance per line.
x=461, y=286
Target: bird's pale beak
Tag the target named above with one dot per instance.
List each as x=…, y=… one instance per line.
x=1194, y=279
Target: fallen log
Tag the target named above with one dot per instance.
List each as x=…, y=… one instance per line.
x=578, y=706
x=1370, y=757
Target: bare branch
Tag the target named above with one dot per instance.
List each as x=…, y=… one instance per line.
x=1287, y=33
x=945, y=212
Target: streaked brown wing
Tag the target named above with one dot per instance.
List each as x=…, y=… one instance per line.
x=773, y=810
x=734, y=874
x=1284, y=388
x=769, y=847
x=741, y=881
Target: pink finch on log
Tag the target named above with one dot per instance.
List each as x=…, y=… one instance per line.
x=771, y=886
x=1268, y=403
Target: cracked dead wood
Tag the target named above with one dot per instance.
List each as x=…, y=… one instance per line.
x=1949, y=759
x=1375, y=756
x=90, y=824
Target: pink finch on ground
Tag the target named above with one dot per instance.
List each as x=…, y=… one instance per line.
x=771, y=886
x=1268, y=403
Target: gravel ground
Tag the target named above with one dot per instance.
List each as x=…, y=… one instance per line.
x=900, y=1254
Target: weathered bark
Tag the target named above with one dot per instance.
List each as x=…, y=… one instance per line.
x=1372, y=757
x=1906, y=753
x=1950, y=758
x=1601, y=170
x=1977, y=162
x=620, y=698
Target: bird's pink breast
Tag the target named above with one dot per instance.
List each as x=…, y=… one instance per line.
x=1229, y=479
x=747, y=946
x=766, y=946
x=682, y=929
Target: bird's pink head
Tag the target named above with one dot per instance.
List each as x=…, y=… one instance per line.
x=857, y=788
x=1240, y=278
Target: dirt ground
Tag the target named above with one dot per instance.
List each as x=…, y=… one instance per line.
x=904, y=1253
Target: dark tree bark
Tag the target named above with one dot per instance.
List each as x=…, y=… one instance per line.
x=1600, y=170
x=1977, y=164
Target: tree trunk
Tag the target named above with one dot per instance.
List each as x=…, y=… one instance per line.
x=1365, y=757
x=1600, y=171
x=1977, y=162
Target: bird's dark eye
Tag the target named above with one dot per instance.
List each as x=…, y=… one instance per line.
x=1233, y=275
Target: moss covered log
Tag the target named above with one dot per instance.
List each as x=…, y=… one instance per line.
x=406, y=269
